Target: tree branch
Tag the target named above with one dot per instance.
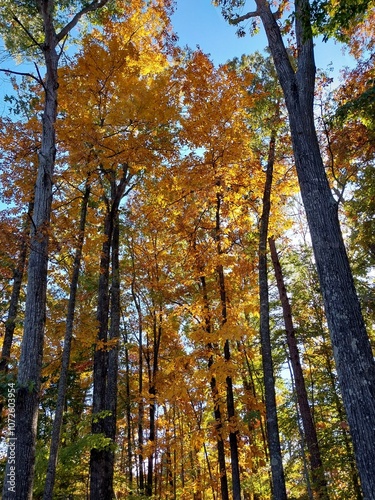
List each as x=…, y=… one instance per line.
x=96, y=4
x=15, y=18
x=21, y=74
x=239, y=19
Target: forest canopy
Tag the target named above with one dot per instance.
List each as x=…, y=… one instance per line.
x=173, y=325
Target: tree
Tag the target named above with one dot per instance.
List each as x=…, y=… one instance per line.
x=352, y=350
x=278, y=478
x=28, y=382
x=318, y=479
x=57, y=423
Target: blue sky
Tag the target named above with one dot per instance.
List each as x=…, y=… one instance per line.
x=198, y=22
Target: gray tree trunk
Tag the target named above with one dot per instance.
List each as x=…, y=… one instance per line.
x=277, y=470
x=351, y=347
x=30, y=365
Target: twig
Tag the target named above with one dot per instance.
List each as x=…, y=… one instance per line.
x=27, y=32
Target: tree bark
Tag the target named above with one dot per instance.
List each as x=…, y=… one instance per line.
x=100, y=482
x=57, y=423
x=277, y=471
x=319, y=482
x=352, y=350
x=157, y=332
x=30, y=365
x=101, y=458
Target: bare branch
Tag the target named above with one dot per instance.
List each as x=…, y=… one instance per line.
x=239, y=19
x=96, y=4
x=39, y=75
x=21, y=74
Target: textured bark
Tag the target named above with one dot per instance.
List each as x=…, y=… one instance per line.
x=30, y=365
x=105, y=360
x=100, y=482
x=319, y=483
x=27, y=395
x=351, y=347
x=277, y=471
x=112, y=370
x=57, y=423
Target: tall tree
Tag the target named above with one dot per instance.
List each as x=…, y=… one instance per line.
x=318, y=479
x=353, y=356
x=273, y=438
x=56, y=430
x=47, y=41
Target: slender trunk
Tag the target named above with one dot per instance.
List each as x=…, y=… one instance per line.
x=233, y=432
x=157, y=332
x=18, y=273
x=57, y=423
x=216, y=400
x=351, y=347
x=30, y=365
x=151, y=438
x=277, y=471
x=301, y=433
x=128, y=416
x=140, y=408
x=319, y=482
x=137, y=304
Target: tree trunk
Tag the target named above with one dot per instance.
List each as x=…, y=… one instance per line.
x=277, y=471
x=352, y=351
x=57, y=423
x=112, y=367
x=215, y=396
x=233, y=432
x=105, y=360
x=130, y=442
x=319, y=483
x=18, y=273
x=157, y=331
x=30, y=365
x=100, y=482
